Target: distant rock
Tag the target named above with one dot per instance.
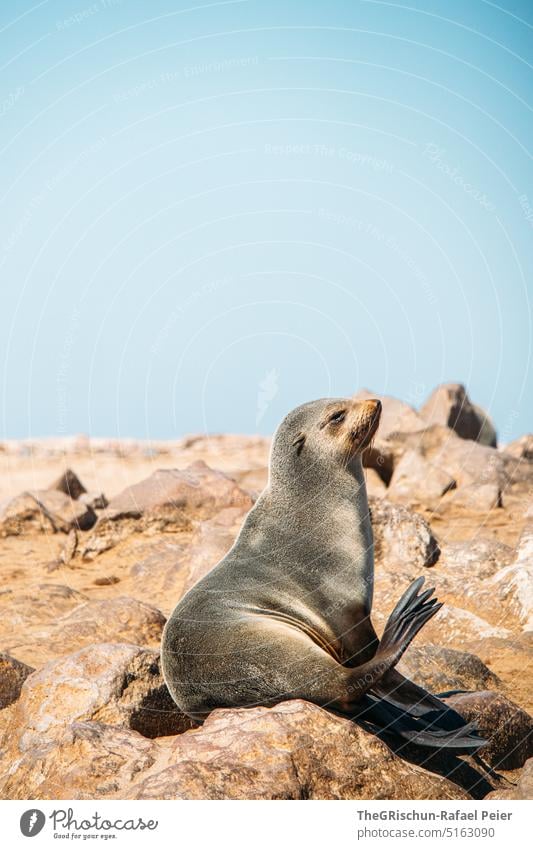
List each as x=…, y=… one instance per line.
x=166, y=501
x=94, y=500
x=477, y=497
x=521, y=449
x=69, y=484
x=472, y=561
x=450, y=405
x=439, y=669
x=294, y=750
x=507, y=727
x=13, y=673
x=43, y=511
x=375, y=486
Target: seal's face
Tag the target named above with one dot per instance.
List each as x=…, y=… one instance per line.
x=331, y=432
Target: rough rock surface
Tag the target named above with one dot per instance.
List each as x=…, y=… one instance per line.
x=507, y=727
x=523, y=788
x=119, y=620
x=417, y=480
x=47, y=511
x=521, y=448
x=113, y=684
x=449, y=405
x=513, y=585
x=13, y=673
x=401, y=536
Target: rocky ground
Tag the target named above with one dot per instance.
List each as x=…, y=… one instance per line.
x=93, y=561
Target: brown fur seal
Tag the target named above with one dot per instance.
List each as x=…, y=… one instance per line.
x=286, y=613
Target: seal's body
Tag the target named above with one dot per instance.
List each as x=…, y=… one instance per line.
x=286, y=613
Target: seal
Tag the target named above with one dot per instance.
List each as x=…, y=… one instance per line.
x=286, y=613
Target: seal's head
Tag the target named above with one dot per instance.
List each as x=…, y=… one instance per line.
x=323, y=436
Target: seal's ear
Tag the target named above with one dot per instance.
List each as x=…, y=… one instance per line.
x=299, y=442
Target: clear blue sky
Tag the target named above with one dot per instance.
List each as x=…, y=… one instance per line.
x=212, y=212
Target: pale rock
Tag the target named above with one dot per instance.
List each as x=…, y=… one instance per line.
x=513, y=585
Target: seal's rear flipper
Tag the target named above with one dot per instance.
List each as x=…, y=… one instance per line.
x=407, y=695
x=437, y=728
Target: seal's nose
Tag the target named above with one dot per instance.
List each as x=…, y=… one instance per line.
x=373, y=405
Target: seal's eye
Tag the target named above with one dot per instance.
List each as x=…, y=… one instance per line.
x=337, y=417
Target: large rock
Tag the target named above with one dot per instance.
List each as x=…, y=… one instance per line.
x=440, y=669
x=521, y=448
x=508, y=728
x=169, y=500
x=292, y=751
x=512, y=657
x=465, y=575
x=43, y=511
x=117, y=685
x=477, y=497
x=465, y=461
x=13, y=673
x=115, y=620
x=91, y=760
x=449, y=405
x=401, y=537
x=523, y=788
